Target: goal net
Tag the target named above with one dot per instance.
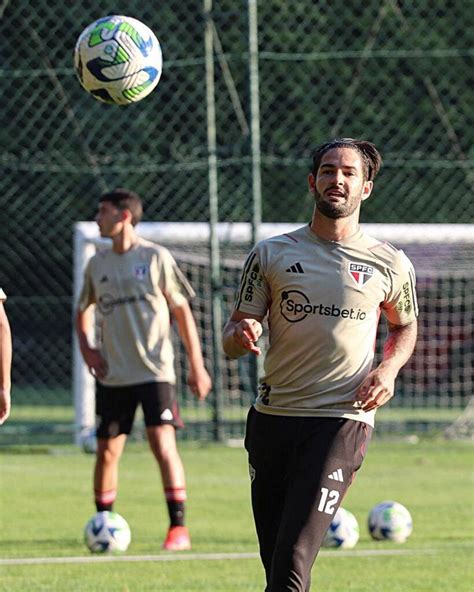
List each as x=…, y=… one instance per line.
x=435, y=385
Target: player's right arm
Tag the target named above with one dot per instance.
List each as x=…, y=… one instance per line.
x=83, y=324
x=244, y=328
x=92, y=356
x=241, y=334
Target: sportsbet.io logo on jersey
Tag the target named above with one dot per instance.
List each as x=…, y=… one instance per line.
x=295, y=306
x=106, y=302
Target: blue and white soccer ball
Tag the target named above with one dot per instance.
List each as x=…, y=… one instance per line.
x=107, y=532
x=390, y=521
x=118, y=60
x=343, y=532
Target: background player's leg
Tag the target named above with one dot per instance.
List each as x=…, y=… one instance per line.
x=162, y=440
x=109, y=451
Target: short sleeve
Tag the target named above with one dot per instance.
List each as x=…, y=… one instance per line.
x=172, y=281
x=3, y=296
x=87, y=295
x=253, y=295
x=401, y=306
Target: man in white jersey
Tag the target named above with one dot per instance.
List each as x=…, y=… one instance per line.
x=135, y=286
x=322, y=289
x=5, y=361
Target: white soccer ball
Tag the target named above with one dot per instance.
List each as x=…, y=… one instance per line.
x=118, y=60
x=107, y=532
x=343, y=532
x=390, y=521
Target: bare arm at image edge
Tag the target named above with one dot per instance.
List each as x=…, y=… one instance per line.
x=5, y=365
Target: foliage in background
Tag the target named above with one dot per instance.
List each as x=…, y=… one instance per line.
x=394, y=72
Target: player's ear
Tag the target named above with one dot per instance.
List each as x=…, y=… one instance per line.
x=367, y=189
x=126, y=215
x=311, y=182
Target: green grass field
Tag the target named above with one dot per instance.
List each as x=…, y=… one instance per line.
x=45, y=500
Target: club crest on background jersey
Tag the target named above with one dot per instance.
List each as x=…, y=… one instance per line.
x=140, y=272
x=360, y=273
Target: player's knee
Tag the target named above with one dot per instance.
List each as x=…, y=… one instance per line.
x=108, y=455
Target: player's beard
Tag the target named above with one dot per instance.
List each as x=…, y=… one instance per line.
x=339, y=209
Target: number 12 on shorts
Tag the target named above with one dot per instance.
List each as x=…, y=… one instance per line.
x=329, y=499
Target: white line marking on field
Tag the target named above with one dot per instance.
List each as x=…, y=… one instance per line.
x=209, y=556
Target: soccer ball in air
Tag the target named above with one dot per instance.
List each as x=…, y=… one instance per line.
x=343, y=532
x=118, y=60
x=107, y=532
x=390, y=521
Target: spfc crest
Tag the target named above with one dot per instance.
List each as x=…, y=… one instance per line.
x=360, y=273
x=140, y=271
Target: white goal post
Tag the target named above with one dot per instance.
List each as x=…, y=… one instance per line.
x=443, y=256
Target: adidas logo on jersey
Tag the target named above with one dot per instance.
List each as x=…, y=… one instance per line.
x=336, y=475
x=104, y=278
x=295, y=268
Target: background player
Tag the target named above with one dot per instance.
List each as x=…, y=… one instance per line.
x=323, y=287
x=135, y=285
x=5, y=361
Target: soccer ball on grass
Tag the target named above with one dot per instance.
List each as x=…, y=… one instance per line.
x=118, y=60
x=107, y=532
x=343, y=532
x=390, y=521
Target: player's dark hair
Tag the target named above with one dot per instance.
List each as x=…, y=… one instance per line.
x=123, y=199
x=370, y=156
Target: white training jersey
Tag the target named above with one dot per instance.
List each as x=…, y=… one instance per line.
x=3, y=296
x=134, y=293
x=323, y=301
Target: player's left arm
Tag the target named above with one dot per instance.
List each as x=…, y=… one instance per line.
x=199, y=380
x=379, y=386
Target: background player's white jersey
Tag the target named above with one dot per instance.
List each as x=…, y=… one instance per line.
x=134, y=292
x=3, y=296
x=324, y=301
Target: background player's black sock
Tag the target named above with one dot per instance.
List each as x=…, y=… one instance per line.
x=176, y=513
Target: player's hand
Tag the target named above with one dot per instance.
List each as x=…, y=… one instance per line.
x=95, y=362
x=200, y=383
x=5, y=405
x=377, y=389
x=246, y=334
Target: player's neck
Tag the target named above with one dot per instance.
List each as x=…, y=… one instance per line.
x=334, y=229
x=125, y=240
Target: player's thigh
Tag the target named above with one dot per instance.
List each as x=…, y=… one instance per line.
x=269, y=442
x=115, y=410
x=325, y=462
x=159, y=404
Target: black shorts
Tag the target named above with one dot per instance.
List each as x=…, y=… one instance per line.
x=300, y=469
x=116, y=407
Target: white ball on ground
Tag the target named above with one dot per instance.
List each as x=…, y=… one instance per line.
x=390, y=521
x=343, y=532
x=107, y=532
